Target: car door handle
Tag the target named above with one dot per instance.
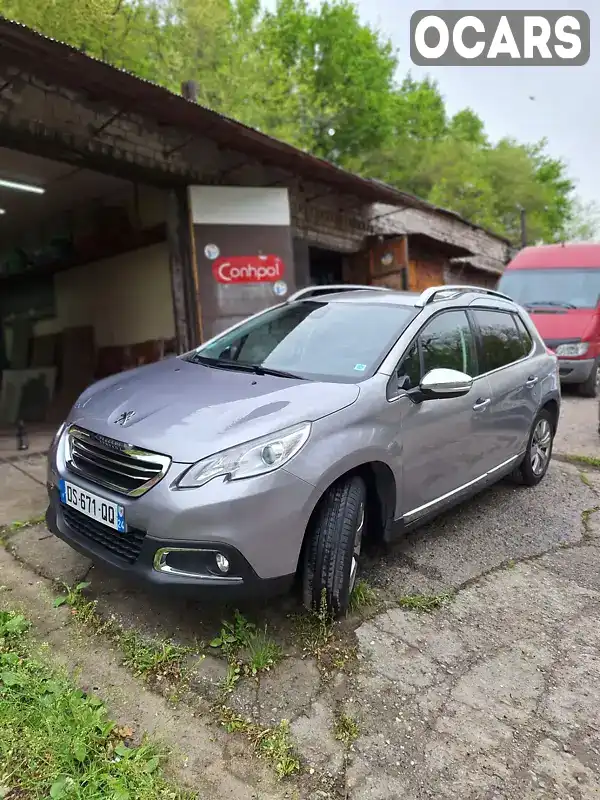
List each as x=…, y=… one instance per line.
x=531, y=381
x=480, y=404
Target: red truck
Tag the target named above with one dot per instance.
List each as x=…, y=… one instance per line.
x=559, y=285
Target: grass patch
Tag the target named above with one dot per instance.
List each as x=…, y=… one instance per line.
x=346, y=730
x=248, y=650
x=273, y=744
x=57, y=742
x=589, y=461
x=153, y=658
x=363, y=596
x=424, y=602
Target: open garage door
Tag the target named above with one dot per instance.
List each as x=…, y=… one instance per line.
x=85, y=284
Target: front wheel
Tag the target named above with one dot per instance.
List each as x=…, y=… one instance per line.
x=333, y=547
x=539, y=449
x=589, y=388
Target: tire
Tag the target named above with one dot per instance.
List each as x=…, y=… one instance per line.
x=527, y=472
x=589, y=388
x=333, y=547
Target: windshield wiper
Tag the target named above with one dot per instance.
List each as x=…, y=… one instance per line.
x=240, y=366
x=549, y=303
x=278, y=373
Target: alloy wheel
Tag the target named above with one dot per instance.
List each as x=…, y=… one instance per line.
x=541, y=444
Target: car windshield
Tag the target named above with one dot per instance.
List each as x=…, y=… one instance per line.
x=314, y=340
x=562, y=288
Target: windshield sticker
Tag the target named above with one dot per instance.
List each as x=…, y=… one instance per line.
x=360, y=367
x=211, y=251
x=280, y=288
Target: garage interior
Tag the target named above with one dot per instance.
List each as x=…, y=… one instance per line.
x=85, y=288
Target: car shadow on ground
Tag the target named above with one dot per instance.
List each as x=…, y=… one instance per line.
x=503, y=523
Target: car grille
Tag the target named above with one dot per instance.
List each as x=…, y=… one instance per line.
x=115, y=465
x=125, y=545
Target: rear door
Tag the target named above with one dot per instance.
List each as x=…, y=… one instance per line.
x=504, y=358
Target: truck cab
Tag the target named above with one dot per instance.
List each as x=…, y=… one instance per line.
x=559, y=285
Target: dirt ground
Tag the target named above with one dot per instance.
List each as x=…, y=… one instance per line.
x=487, y=688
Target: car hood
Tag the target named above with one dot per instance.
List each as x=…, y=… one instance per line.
x=557, y=325
x=189, y=411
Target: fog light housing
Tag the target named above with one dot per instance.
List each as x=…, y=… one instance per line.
x=222, y=563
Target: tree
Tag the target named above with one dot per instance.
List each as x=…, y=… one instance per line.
x=319, y=78
x=584, y=222
x=340, y=73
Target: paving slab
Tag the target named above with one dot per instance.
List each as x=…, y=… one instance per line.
x=21, y=496
x=510, y=707
x=48, y=555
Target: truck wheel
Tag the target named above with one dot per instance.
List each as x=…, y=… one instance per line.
x=589, y=388
x=333, y=547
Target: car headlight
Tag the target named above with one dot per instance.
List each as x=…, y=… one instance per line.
x=249, y=459
x=573, y=350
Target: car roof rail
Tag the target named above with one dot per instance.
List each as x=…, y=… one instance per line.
x=315, y=291
x=430, y=294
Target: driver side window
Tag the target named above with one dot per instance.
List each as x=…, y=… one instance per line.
x=445, y=342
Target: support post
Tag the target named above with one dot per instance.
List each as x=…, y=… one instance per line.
x=182, y=267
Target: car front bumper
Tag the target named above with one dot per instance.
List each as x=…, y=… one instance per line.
x=575, y=370
x=258, y=524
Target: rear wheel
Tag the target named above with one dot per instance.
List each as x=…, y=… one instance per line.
x=333, y=548
x=589, y=388
x=539, y=450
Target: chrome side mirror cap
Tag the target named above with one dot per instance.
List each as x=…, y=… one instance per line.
x=444, y=383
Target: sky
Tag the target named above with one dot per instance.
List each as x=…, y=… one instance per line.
x=566, y=108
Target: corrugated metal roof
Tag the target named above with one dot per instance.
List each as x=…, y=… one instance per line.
x=63, y=64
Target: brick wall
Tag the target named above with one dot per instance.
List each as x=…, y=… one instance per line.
x=447, y=228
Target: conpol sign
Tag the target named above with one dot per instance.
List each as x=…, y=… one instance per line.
x=248, y=269
x=500, y=38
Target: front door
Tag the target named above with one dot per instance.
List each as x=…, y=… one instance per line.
x=441, y=443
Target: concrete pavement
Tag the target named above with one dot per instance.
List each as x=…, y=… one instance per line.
x=494, y=694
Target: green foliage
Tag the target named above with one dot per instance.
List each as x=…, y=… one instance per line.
x=57, y=742
x=319, y=78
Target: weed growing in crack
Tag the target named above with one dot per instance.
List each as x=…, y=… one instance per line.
x=6, y=531
x=424, y=602
x=273, y=744
x=362, y=596
x=262, y=652
x=152, y=659
x=346, y=730
x=248, y=651
x=317, y=634
x=585, y=479
x=585, y=518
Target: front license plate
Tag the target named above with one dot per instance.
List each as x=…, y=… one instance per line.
x=94, y=506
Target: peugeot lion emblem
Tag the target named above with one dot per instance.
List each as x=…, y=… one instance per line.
x=125, y=417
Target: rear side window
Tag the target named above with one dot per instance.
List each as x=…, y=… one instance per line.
x=526, y=340
x=501, y=342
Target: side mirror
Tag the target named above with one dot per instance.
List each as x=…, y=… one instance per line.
x=442, y=383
